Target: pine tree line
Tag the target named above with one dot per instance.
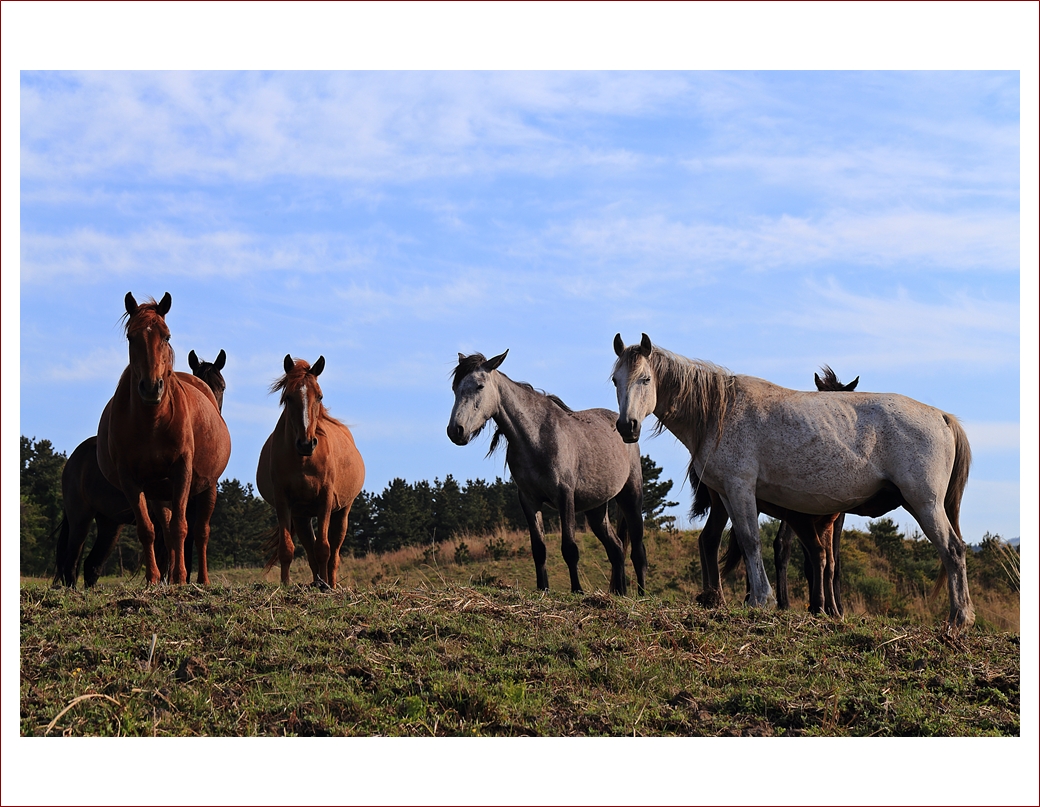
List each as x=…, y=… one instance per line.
x=404, y=514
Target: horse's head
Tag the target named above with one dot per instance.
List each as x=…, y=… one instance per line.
x=151, y=357
x=830, y=382
x=301, y=397
x=209, y=372
x=633, y=379
x=475, y=384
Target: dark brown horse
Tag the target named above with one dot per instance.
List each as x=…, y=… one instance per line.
x=309, y=468
x=162, y=438
x=710, y=538
x=87, y=496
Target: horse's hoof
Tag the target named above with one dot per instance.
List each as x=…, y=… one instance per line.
x=321, y=585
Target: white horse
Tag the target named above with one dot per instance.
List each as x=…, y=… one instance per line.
x=761, y=446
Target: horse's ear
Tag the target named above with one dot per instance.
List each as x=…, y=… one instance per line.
x=494, y=362
x=619, y=345
x=819, y=381
x=288, y=364
x=218, y=363
x=461, y=357
x=193, y=361
x=317, y=367
x=130, y=303
x=164, y=305
x=852, y=384
x=645, y=348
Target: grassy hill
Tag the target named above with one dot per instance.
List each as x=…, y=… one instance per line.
x=458, y=642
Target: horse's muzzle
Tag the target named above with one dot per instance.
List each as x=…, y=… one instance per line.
x=306, y=447
x=629, y=430
x=457, y=434
x=151, y=392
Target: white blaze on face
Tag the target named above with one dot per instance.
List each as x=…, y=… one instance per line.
x=306, y=414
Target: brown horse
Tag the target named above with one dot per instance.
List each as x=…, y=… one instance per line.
x=87, y=495
x=309, y=468
x=162, y=438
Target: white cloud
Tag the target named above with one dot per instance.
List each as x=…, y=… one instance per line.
x=929, y=240
x=993, y=436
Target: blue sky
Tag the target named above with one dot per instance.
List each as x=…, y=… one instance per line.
x=767, y=221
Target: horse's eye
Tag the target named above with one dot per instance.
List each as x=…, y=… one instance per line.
x=320, y=397
x=480, y=387
x=613, y=381
x=644, y=381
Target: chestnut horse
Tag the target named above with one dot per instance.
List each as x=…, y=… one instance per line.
x=87, y=495
x=309, y=468
x=764, y=447
x=162, y=438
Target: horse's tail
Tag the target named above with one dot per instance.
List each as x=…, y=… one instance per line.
x=62, y=553
x=272, y=543
x=732, y=557
x=622, y=531
x=701, y=494
x=955, y=488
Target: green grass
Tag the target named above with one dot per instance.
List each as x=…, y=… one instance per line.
x=457, y=658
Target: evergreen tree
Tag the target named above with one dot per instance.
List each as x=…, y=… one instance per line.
x=40, y=506
x=655, y=496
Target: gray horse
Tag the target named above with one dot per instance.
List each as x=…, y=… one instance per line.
x=572, y=461
x=763, y=446
x=711, y=537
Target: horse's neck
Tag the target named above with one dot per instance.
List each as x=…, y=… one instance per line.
x=682, y=419
x=520, y=412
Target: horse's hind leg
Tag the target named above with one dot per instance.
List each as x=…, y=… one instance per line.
x=600, y=526
x=710, y=539
x=839, y=525
x=534, y=524
x=72, y=534
x=568, y=546
x=781, y=560
x=337, y=534
x=203, y=504
x=630, y=503
x=952, y=550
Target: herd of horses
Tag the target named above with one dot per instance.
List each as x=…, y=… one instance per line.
x=806, y=458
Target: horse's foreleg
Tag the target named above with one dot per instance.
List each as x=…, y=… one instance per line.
x=711, y=595
x=145, y=531
x=600, y=526
x=104, y=543
x=203, y=504
x=569, y=547
x=534, y=524
x=781, y=560
x=743, y=511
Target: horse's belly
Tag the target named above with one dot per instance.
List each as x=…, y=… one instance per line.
x=819, y=499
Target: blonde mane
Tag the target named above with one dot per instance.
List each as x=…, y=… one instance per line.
x=695, y=392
